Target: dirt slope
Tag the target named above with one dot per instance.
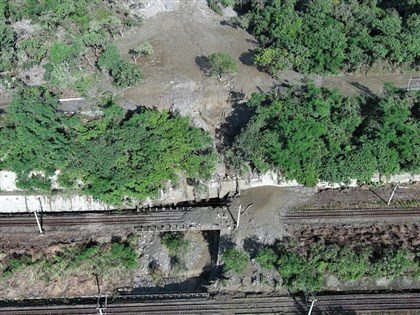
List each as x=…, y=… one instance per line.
x=172, y=74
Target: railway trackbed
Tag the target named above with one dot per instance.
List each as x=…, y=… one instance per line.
x=175, y=219
x=144, y=221
x=223, y=305
x=323, y=215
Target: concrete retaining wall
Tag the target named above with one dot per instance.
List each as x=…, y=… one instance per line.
x=13, y=200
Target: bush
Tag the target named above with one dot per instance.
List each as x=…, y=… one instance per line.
x=306, y=271
x=126, y=74
x=174, y=242
x=123, y=73
x=298, y=274
x=86, y=254
x=145, y=49
x=266, y=257
x=221, y=64
x=394, y=263
x=124, y=254
x=109, y=59
x=344, y=262
x=235, y=260
x=218, y=5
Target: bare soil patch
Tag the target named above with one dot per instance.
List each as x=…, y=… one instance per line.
x=406, y=195
x=173, y=74
x=160, y=270
x=262, y=209
x=376, y=235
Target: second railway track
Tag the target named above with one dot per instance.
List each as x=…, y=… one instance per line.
x=311, y=215
x=326, y=304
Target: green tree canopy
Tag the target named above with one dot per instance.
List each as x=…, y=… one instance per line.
x=32, y=136
x=312, y=134
x=118, y=157
x=325, y=37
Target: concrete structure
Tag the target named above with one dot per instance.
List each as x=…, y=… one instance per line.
x=13, y=200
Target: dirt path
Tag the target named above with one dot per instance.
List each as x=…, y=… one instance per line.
x=366, y=84
x=261, y=209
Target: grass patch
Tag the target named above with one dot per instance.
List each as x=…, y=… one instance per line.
x=235, y=260
x=101, y=259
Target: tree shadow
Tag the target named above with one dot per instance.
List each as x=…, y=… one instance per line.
x=252, y=245
x=376, y=194
x=226, y=23
x=203, y=63
x=237, y=119
x=116, y=239
x=333, y=310
x=300, y=302
x=213, y=239
x=225, y=242
x=363, y=89
x=415, y=110
x=233, y=23
x=247, y=57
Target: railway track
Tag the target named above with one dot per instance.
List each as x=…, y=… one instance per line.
x=165, y=218
x=313, y=215
x=223, y=305
x=161, y=218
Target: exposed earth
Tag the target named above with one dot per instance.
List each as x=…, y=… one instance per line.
x=174, y=77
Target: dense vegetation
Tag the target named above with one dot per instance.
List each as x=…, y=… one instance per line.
x=66, y=38
x=235, y=260
x=312, y=133
x=102, y=260
x=324, y=36
x=117, y=157
x=307, y=270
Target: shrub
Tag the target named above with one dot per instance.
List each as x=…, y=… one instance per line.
x=222, y=63
x=86, y=254
x=123, y=73
x=124, y=254
x=174, y=242
x=92, y=258
x=109, y=59
x=143, y=49
x=266, y=257
x=324, y=37
x=117, y=157
x=393, y=263
x=218, y=5
x=235, y=260
x=298, y=274
x=126, y=74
